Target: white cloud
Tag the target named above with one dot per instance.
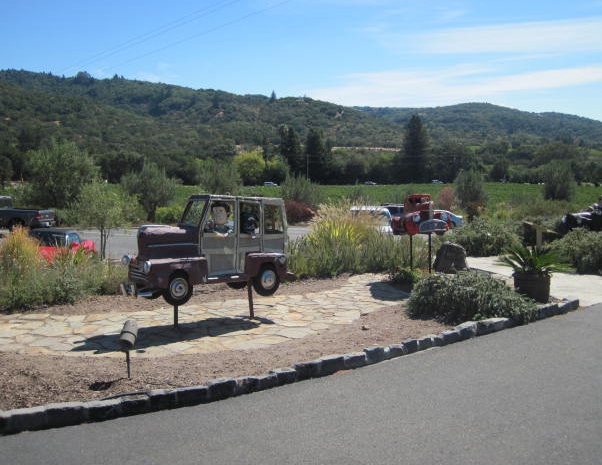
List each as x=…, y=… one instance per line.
x=579, y=35
x=449, y=86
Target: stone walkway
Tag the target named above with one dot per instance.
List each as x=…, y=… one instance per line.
x=208, y=328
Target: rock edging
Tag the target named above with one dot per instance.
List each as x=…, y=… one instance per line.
x=73, y=413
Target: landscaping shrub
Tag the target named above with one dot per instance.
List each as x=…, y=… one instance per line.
x=168, y=215
x=21, y=271
x=483, y=238
x=583, y=249
x=405, y=277
x=302, y=190
x=298, y=212
x=467, y=296
x=28, y=281
x=342, y=243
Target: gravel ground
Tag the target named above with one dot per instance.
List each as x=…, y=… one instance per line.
x=28, y=380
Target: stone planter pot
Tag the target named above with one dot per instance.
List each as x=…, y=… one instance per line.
x=535, y=286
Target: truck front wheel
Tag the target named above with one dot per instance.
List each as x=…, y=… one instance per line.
x=267, y=281
x=179, y=290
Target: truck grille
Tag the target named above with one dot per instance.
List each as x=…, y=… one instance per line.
x=136, y=273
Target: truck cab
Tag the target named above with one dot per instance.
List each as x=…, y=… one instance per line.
x=219, y=239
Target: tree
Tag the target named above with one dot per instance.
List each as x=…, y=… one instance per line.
x=250, y=167
x=58, y=173
x=290, y=149
x=217, y=177
x=6, y=170
x=449, y=158
x=104, y=207
x=500, y=169
x=559, y=182
x=470, y=192
x=318, y=157
x=152, y=188
x=413, y=158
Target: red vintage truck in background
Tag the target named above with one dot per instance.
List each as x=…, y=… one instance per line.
x=419, y=215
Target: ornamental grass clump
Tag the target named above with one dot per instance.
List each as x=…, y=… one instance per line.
x=467, y=296
x=27, y=280
x=340, y=242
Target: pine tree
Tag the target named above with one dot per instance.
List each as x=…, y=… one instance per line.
x=290, y=149
x=412, y=160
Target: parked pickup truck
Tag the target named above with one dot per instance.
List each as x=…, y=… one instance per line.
x=219, y=239
x=11, y=217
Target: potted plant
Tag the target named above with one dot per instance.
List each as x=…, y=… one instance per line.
x=533, y=268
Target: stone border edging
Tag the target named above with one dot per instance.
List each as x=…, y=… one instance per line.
x=74, y=413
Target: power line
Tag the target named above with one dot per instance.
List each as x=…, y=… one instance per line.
x=170, y=26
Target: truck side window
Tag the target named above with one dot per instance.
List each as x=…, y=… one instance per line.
x=193, y=213
x=249, y=218
x=273, y=223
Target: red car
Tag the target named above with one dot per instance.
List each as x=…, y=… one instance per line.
x=54, y=240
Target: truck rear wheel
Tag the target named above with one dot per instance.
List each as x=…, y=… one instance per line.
x=267, y=281
x=179, y=290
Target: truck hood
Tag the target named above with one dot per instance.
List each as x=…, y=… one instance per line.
x=161, y=241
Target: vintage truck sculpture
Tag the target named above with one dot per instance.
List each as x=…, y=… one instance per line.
x=11, y=217
x=419, y=216
x=219, y=239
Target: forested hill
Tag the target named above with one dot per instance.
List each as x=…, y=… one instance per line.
x=168, y=123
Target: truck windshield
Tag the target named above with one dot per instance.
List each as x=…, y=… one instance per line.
x=193, y=213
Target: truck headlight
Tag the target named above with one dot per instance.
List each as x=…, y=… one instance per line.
x=126, y=260
x=146, y=267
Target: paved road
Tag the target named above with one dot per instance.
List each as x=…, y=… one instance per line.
x=122, y=241
x=528, y=395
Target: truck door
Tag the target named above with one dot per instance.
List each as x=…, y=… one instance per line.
x=250, y=230
x=218, y=239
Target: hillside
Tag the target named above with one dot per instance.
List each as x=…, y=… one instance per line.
x=124, y=119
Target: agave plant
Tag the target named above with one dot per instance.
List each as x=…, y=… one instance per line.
x=534, y=260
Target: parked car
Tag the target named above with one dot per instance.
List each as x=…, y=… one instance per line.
x=381, y=214
x=219, y=239
x=396, y=209
x=11, y=217
x=270, y=183
x=54, y=240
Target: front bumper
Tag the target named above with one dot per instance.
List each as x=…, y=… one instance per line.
x=131, y=290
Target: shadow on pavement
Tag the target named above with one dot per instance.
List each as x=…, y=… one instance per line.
x=166, y=334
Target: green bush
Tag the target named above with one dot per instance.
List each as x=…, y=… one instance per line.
x=583, y=249
x=302, y=190
x=28, y=281
x=169, y=215
x=483, y=238
x=405, y=277
x=467, y=296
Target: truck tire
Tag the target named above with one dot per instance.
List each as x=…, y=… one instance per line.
x=267, y=281
x=179, y=290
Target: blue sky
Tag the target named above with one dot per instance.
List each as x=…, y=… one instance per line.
x=530, y=55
